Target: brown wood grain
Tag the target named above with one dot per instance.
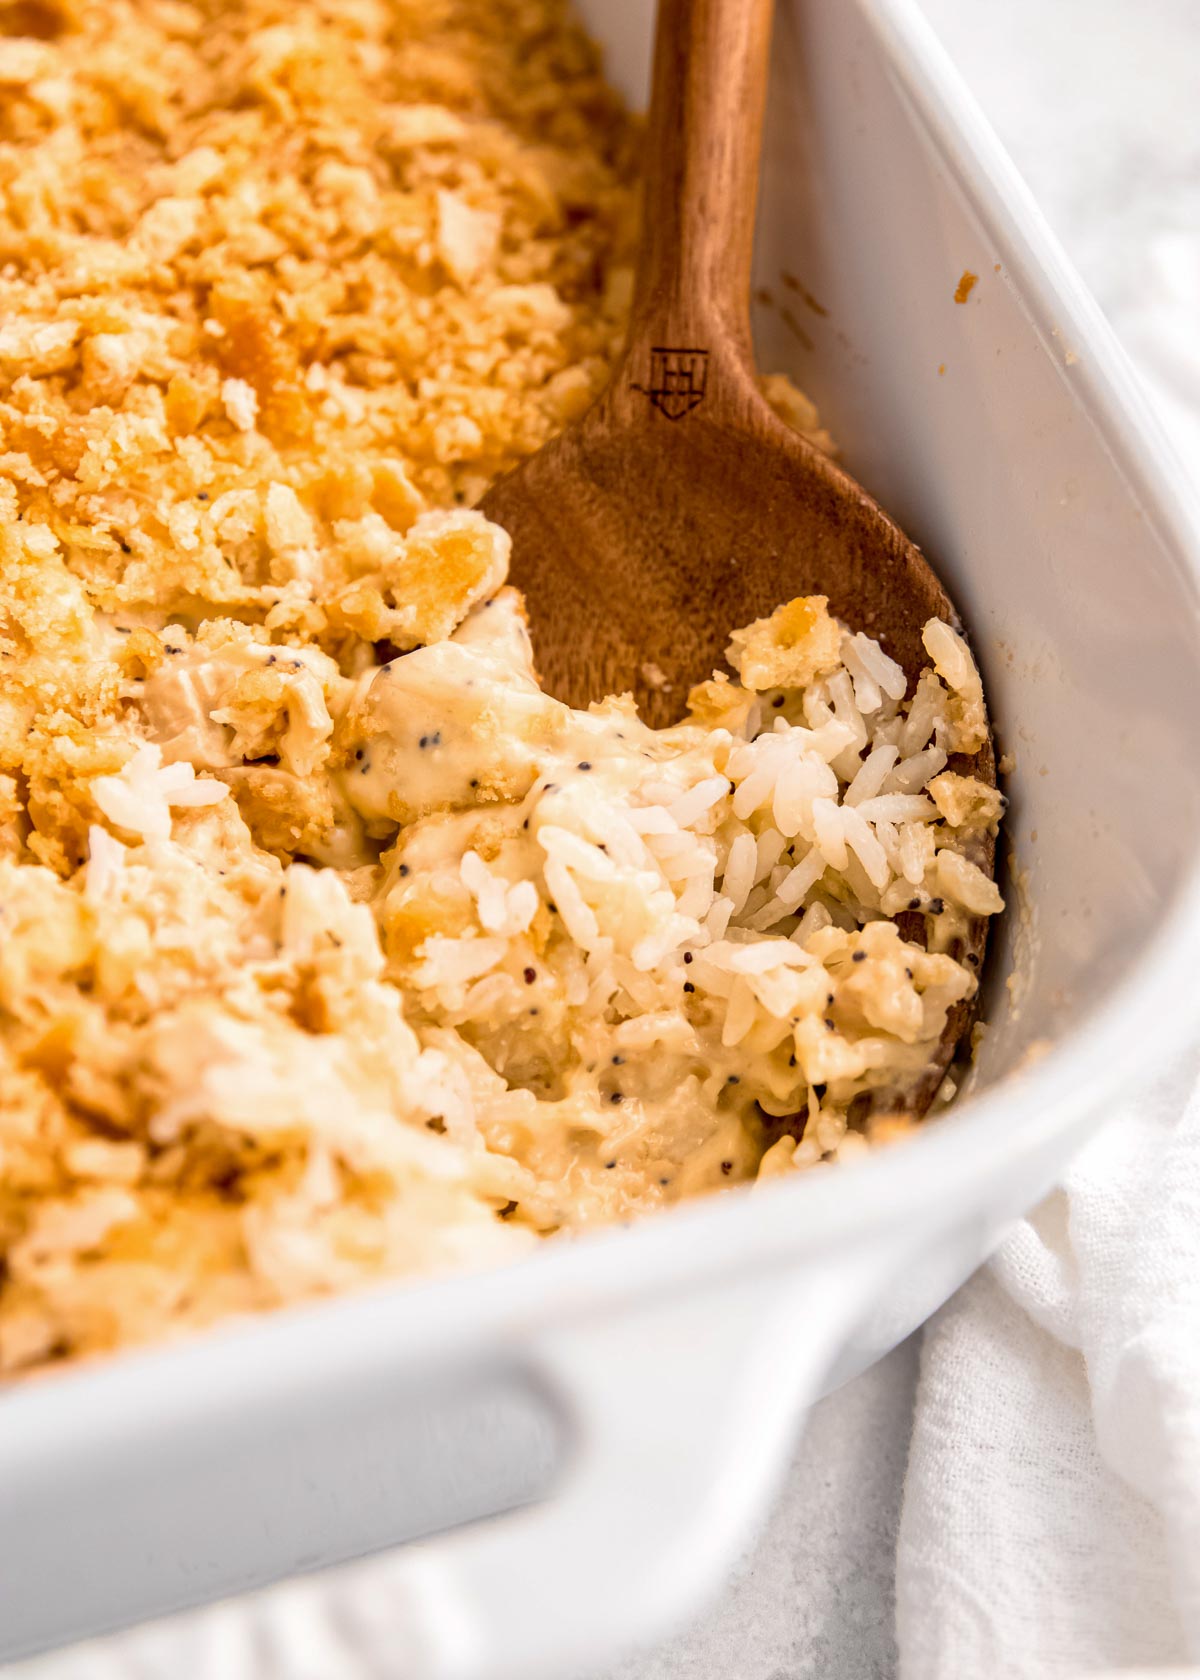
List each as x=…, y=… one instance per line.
x=680, y=506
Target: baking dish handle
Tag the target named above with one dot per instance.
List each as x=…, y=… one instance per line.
x=637, y=1533
x=679, y=1417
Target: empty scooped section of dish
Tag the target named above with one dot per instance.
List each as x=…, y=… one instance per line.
x=969, y=412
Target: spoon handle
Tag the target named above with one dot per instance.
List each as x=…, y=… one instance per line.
x=703, y=141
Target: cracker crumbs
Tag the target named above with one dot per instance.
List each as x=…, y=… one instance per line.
x=276, y=282
x=331, y=948
x=797, y=643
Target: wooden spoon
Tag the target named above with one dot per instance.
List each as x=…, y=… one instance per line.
x=680, y=506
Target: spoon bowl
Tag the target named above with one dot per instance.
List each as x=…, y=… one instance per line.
x=640, y=543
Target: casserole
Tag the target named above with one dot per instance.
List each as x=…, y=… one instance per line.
x=1008, y=436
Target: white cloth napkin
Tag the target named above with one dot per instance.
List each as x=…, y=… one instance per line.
x=1051, y=1522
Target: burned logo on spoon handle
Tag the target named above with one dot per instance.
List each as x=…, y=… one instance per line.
x=678, y=380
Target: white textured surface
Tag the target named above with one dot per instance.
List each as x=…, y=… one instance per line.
x=1095, y=100
x=813, y=1599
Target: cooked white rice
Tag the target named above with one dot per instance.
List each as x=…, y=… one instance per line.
x=560, y=968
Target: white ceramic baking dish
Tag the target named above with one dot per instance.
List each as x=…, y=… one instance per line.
x=652, y=1379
